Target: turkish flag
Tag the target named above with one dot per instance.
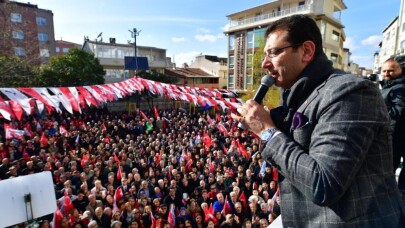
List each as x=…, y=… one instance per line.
x=188, y=165
x=11, y=132
x=171, y=217
x=62, y=130
x=227, y=207
x=116, y=159
x=84, y=159
x=57, y=217
x=207, y=140
x=242, y=199
x=67, y=203
x=275, y=174
x=242, y=150
x=43, y=140
x=222, y=129
x=118, y=195
x=119, y=173
x=143, y=115
x=155, y=110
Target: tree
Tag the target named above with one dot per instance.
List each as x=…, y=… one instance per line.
x=15, y=72
x=76, y=68
x=273, y=96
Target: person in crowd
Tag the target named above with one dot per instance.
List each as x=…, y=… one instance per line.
x=330, y=139
x=393, y=92
x=88, y=169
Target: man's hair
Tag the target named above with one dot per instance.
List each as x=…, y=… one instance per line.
x=400, y=65
x=300, y=28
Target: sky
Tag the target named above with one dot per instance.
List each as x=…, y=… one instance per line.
x=187, y=28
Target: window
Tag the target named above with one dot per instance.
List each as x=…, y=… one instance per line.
x=18, y=34
x=16, y=17
x=19, y=51
x=44, y=52
x=403, y=27
x=258, y=37
x=335, y=35
x=301, y=5
x=57, y=49
x=231, y=61
x=231, y=81
x=41, y=21
x=249, y=60
x=258, y=16
x=65, y=50
x=250, y=39
x=231, y=42
x=249, y=79
x=333, y=57
x=42, y=37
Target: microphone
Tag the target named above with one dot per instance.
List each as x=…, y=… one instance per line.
x=266, y=83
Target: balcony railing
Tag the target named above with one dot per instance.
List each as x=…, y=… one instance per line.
x=266, y=16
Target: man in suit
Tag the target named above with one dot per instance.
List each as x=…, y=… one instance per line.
x=330, y=140
x=393, y=92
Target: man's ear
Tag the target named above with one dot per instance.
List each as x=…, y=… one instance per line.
x=309, y=51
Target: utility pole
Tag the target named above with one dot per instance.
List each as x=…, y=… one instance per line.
x=134, y=34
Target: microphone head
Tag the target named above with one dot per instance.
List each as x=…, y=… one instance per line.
x=267, y=81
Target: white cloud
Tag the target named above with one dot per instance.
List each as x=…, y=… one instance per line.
x=185, y=57
x=366, y=61
x=373, y=40
x=350, y=43
x=208, y=38
x=178, y=39
x=226, y=27
x=203, y=30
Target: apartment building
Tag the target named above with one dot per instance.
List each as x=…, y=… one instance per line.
x=393, y=43
x=27, y=31
x=213, y=65
x=112, y=54
x=401, y=29
x=193, y=77
x=389, y=42
x=62, y=47
x=247, y=27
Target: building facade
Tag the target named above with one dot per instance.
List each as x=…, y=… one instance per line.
x=393, y=43
x=247, y=28
x=214, y=66
x=112, y=54
x=62, y=47
x=401, y=29
x=28, y=32
x=389, y=42
x=193, y=77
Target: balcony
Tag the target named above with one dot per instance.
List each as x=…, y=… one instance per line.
x=267, y=17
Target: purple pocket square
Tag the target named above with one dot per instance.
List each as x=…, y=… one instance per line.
x=299, y=120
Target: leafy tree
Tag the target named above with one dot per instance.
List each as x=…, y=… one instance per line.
x=15, y=72
x=76, y=68
x=273, y=96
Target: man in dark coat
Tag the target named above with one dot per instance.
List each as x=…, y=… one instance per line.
x=393, y=91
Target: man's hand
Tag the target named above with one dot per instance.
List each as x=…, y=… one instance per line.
x=254, y=117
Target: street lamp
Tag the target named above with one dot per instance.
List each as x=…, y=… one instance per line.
x=134, y=34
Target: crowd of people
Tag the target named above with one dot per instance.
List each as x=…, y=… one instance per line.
x=141, y=170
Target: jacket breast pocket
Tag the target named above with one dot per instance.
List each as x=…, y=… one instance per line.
x=302, y=135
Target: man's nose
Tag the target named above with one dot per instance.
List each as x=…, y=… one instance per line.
x=267, y=63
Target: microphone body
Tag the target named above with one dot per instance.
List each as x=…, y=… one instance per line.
x=265, y=84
